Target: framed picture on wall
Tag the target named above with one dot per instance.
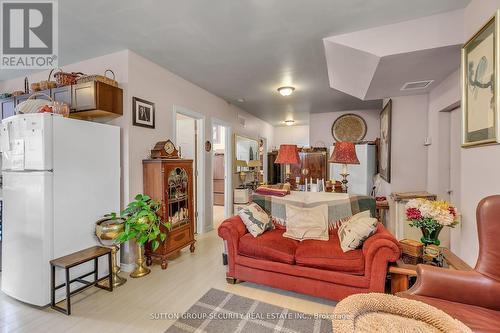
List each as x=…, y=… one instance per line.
x=480, y=90
x=143, y=113
x=384, y=150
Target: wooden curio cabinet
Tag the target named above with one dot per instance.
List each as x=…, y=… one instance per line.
x=170, y=181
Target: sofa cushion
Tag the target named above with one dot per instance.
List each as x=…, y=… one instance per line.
x=256, y=219
x=307, y=223
x=329, y=255
x=271, y=245
x=356, y=230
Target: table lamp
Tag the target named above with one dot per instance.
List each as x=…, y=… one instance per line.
x=288, y=154
x=344, y=153
x=240, y=164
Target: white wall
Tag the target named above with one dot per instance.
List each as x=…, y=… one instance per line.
x=478, y=169
x=321, y=126
x=444, y=95
x=295, y=135
x=479, y=165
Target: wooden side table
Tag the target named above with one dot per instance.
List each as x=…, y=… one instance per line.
x=381, y=208
x=75, y=259
x=401, y=272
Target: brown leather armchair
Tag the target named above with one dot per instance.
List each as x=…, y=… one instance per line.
x=473, y=297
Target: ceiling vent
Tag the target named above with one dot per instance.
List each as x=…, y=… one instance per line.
x=416, y=85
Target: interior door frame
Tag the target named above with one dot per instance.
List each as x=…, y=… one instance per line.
x=228, y=167
x=200, y=163
x=264, y=159
x=454, y=234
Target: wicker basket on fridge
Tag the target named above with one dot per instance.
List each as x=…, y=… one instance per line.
x=48, y=84
x=100, y=78
x=33, y=104
x=66, y=78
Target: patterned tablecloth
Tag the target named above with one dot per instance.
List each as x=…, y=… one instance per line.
x=340, y=205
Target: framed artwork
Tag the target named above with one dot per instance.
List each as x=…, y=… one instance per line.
x=384, y=150
x=349, y=127
x=480, y=90
x=143, y=113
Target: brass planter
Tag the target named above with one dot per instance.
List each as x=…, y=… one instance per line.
x=140, y=269
x=108, y=230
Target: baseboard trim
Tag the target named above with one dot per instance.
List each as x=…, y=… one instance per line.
x=127, y=267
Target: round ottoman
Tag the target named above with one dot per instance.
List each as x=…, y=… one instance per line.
x=387, y=313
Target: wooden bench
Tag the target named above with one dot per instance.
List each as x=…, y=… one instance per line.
x=75, y=259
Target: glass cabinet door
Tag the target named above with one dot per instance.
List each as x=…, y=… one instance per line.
x=178, y=196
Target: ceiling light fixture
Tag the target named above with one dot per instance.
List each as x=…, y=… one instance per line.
x=286, y=91
x=241, y=100
x=289, y=122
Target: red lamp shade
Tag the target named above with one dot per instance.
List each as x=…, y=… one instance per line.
x=344, y=153
x=288, y=154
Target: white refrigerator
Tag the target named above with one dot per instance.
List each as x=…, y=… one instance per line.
x=59, y=176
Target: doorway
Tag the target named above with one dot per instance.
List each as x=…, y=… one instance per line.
x=189, y=136
x=221, y=171
x=455, y=166
x=450, y=132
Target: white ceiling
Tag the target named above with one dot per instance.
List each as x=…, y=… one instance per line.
x=236, y=48
x=375, y=63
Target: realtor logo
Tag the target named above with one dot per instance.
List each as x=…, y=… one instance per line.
x=29, y=34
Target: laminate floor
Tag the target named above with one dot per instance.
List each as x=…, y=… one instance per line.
x=218, y=216
x=132, y=307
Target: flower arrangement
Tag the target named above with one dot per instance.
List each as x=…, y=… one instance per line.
x=431, y=217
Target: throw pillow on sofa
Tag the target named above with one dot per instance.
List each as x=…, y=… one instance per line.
x=255, y=219
x=356, y=230
x=307, y=223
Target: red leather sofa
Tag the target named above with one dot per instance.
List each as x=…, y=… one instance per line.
x=317, y=268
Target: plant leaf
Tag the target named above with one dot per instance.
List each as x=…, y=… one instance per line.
x=142, y=239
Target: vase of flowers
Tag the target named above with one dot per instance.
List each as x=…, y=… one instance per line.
x=431, y=217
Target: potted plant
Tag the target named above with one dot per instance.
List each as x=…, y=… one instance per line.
x=142, y=223
x=431, y=217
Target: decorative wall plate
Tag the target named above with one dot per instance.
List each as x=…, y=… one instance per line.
x=208, y=146
x=349, y=127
